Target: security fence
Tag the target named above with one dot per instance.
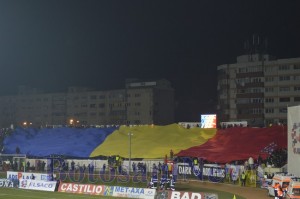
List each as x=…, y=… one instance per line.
x=183, y=170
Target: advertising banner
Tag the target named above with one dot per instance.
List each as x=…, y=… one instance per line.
x=37, y=185
x=130, y=192
x=213, y=171
x=210, y=171
x=163, y=194
x=6, y=183
x=186, y=195
x=90, y=189
x=294, y=140
x=13, y=175
x=209, y=121
x=184, y=169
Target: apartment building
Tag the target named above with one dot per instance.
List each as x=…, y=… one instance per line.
x=258, y=89
x=140, y=102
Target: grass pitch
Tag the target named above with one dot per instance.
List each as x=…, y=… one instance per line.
x=13, y=193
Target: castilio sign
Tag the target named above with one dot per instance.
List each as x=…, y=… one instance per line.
x=81, y=188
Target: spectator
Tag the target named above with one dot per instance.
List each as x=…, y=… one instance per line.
x=251, y=163
x=234, y=175
x=144, y=168
x=175, y=171
x=120, y=169
x=166, y=159
x=153, y=181
x=28, y=165
x=166, y=169
x=92, y=168
x=159, y=167
x=15, y=165
x=18, y=150
x=171, y=154
x=154, y=168
x=89, y=168
x=134, y=167
x=73, y=165
x=103, y=168
x=38, y=165
x=243, y=179
x=57, y=184
x=43, y=165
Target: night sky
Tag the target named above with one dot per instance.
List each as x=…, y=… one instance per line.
x=54, y=44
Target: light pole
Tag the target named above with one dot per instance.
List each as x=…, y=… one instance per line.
x=129, y=166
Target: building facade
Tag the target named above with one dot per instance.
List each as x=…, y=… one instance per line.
x=148, y=102
x=258, y=89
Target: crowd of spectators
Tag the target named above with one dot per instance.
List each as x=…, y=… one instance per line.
x=227, y=126
x=139, y=167
x=4, y=132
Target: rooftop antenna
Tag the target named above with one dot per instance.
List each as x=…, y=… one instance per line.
x=246, y=46
x=255, y=43
x=266, y=45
